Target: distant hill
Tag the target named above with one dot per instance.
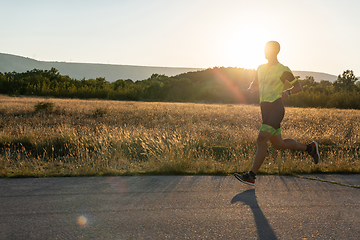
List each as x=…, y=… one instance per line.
x=317, y=75
x=10, y=63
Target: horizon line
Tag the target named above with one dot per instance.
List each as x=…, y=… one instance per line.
x=151, y=66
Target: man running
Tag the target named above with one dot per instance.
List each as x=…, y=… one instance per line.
x=269, y=80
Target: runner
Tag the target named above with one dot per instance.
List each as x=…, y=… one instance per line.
x=269, y=80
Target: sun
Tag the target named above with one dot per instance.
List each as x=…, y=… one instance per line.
x=245, y=47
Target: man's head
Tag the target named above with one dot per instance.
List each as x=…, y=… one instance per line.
x=272, y=48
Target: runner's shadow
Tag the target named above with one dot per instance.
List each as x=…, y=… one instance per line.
x=264, y=229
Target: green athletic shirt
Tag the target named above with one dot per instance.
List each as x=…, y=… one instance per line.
x=270, y=84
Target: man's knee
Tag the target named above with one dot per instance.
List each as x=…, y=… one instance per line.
x=263, y=137
x=278, y=143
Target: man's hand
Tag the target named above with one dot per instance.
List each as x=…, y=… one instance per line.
x=285, y=94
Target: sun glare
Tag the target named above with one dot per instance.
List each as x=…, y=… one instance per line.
x=245, y=47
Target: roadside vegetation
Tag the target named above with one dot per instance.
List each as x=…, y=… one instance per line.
x=215, y=85
x=42, y=137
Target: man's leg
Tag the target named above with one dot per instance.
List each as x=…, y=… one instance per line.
x=261, y=149
x=249, y=177
x=287, y=143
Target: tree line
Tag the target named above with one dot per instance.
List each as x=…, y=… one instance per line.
x=213, y=85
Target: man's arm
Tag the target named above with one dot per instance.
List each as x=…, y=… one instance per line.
x=288, y=76
x=254, y=86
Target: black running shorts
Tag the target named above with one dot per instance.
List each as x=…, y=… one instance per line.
x=272, y=114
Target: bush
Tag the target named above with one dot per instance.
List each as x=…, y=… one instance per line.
x=44, y=107
x=100, y=112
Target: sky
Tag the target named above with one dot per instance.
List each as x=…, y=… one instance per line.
x=315, y=35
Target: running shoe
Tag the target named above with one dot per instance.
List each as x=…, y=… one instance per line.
x=245, y=178
x=315, y=152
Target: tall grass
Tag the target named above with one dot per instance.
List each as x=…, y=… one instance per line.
x=92, y=137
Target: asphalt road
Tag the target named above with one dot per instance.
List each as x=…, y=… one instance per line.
x=180, y=207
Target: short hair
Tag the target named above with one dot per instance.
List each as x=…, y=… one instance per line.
x=274, y=46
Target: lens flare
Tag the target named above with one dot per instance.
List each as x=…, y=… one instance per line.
x=81, y=221
x=237, y=95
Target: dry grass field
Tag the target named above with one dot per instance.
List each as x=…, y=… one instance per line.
x=70, y=137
